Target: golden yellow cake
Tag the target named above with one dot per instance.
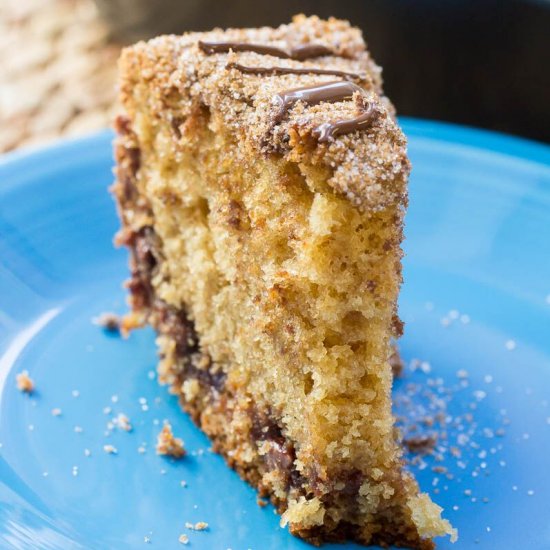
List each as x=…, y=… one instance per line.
x=262, y=184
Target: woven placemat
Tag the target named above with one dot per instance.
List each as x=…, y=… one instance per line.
x=59, y=71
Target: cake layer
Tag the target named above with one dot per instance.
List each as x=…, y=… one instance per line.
x=263, y=203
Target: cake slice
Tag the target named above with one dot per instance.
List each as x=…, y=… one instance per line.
x=262, y=184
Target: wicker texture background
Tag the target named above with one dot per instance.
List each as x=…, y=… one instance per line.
x=58, y=71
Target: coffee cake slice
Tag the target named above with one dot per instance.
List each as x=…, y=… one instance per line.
x=262, y=184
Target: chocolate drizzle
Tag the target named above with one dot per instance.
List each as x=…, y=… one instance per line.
x=300, y=53
x=310, y=51
x=330, y=92
x=328, y=130
x=290, y=70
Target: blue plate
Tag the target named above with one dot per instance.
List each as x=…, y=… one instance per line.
x=476, y=298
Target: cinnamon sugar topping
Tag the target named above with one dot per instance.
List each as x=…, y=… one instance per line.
x=328, y=130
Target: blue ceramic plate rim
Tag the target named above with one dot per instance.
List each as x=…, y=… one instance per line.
x=525, y=150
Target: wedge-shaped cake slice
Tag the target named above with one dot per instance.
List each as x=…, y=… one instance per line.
x=262, y=183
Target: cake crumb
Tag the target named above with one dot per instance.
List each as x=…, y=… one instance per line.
x=183, y=539
x=56, y=412
x=109, y=321
x=110, y=449
x=24, y=382
x=123, y=422
x=510, y=345
x=169, y=445
x=423, y=444
x=199, y=526
x=130, y=322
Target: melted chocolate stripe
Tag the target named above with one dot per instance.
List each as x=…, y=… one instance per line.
x=290, y=70
x=299, y=53
x=330, y=92
x=311, y=51
x=328, y=130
